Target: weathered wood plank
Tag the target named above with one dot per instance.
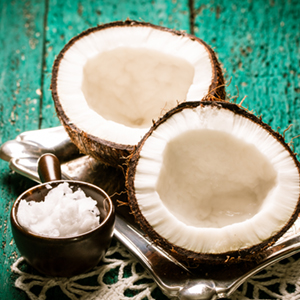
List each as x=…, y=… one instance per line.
x=21, y=43
x=68, y=18
x=258, y=44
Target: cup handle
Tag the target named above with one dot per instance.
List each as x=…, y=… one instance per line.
x=49, y=168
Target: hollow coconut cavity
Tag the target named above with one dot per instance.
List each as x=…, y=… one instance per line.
x=211, y=183
x=111, y=81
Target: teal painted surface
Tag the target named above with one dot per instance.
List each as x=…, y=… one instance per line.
x=21, y=43
x=258, y=43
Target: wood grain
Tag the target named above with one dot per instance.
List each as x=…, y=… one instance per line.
x=21, y=43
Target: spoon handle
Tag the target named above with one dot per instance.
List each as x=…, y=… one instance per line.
x=49, y=168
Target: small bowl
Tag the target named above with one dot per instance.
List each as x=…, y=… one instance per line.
x=65, y=256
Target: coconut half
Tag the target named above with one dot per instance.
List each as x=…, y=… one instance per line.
x=211, y=183
x=111, y=81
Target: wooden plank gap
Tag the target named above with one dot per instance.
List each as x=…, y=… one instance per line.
x=44, y=50
x=192, y=16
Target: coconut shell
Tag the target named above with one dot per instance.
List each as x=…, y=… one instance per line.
x=189, y=258
x=108, y=152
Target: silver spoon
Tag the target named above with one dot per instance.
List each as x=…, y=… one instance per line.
x=37, y=142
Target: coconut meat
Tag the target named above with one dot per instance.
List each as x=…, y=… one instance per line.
x=225, y=182
x=111, y=83
x=212, y=181
x=132, y=86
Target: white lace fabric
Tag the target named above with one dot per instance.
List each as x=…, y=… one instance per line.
x=280, y=281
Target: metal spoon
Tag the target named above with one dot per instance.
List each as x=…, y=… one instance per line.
x=37, y=142
x=173, y=278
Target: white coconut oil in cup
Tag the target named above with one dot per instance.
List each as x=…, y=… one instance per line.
x=63, y=213
x=60, y=238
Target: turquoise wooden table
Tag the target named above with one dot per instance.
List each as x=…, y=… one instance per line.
x=258, y=44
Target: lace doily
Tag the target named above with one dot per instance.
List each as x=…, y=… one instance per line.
x=120, y=276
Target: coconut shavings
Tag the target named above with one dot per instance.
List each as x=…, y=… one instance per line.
x=63, y=213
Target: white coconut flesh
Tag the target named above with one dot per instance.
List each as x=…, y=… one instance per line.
x=211, y=181
x=139, y=83
x=113, y=82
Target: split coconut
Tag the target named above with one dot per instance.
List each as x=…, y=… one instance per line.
x=111, y=81
x=211, y=183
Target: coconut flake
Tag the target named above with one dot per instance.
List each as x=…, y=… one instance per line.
x=63, y=213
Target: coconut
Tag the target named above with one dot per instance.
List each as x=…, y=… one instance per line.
x=111, y=81
x=211, y=183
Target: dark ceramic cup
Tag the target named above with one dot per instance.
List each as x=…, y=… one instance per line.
x=64, y=256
